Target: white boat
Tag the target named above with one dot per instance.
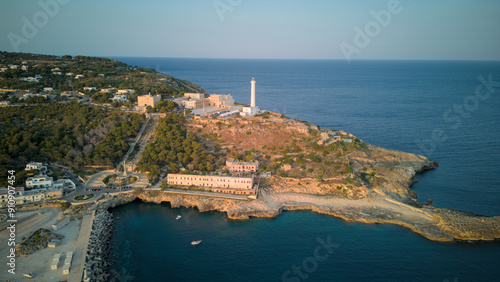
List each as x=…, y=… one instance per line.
x=194, y=243
x=178, y=217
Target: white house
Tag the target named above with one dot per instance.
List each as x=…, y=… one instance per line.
x=125, y=91
x=64, y=184
x=108, y=90
x=29, y=79
x=24, y=68
x=57, y=72
x=79, y=76
x=29, y=95
x=55, y=69
x=49, y=96
x=86, y=88
x=70, y=74
x=48, y=89
x=120, y=98
x=39, y=181
x=38, y=76
x=13, y=67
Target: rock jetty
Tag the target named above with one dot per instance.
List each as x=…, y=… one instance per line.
x=96, y=265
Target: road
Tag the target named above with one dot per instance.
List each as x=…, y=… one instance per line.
x=95, y=182
x=202, y=193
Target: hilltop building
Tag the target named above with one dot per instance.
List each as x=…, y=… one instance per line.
x=148, y=100
x=108, y=90
x=35, y=165
x=237, y=166
x=221, y=101
x=125, y=91
x=196, y=96
x=40, y=181
x=120, y=98
x=200, y=100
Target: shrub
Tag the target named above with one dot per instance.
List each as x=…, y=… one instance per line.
x=65, y=205
x=138, y=191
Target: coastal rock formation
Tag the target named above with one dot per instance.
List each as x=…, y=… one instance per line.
x=433, y=223
x=467, y=226
x=348, y=179
x=395, y=171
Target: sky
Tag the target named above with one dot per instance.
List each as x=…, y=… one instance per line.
x=263, y=29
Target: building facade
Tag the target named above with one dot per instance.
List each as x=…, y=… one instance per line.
x=211, y=181
x=39, y=181
x=237, y=166
x=120, y=98
x=195, y=104
x=148, y=100
x=4, y=195
x=35, y=165
x=197, y=96
x=221, y=101
x=125, y=91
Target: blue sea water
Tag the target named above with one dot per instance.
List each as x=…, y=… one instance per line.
x=424, y=107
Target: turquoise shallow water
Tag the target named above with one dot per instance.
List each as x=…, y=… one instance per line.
x=391, y=104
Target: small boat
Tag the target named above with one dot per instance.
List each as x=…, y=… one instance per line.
x=29, y=275
x=178, y=217
x=194, y=243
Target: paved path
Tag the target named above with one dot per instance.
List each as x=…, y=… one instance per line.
x=201, y=193
x=79, y=255
x=145, y=140
x=132, y=147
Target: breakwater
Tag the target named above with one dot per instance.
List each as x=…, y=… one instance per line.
x=96, y=265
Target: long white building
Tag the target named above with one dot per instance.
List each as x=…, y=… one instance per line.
x=215, y=183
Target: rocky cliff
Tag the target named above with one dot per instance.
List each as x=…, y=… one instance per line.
x=315, y=170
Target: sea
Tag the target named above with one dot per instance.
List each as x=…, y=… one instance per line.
x=448, y=111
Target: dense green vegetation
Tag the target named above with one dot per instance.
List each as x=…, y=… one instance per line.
x=97, y=72
x=173, y=147
x=71, y=134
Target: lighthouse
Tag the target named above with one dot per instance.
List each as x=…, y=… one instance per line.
x=252, y=101
x=253, y=109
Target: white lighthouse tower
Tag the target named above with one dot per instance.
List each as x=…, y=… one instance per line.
x=252, y=101
x=253, y=109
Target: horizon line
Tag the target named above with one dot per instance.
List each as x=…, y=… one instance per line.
x=283, y=59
